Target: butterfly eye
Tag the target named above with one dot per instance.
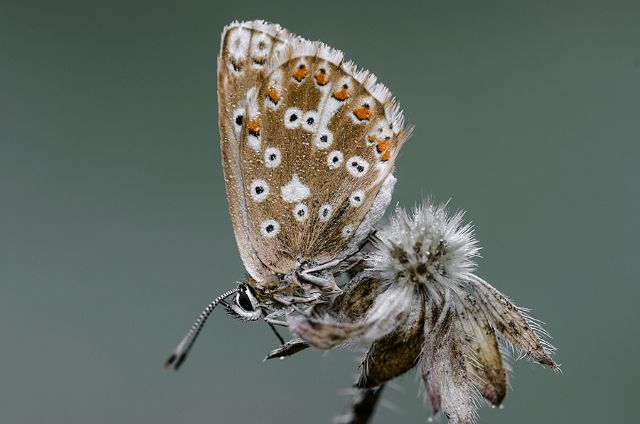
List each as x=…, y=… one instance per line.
x=244, y=302
x=245, y=306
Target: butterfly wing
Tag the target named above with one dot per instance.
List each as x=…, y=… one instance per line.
x=308, y=163
x=241, y=66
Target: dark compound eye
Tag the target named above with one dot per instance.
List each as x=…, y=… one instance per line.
x=243, y=301
x=239, y=120
x=301, y=66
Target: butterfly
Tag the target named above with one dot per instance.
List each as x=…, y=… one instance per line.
x=308, y=145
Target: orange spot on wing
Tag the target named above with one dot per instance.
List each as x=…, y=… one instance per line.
x=386, y=155
x=321, y=77
x=384, y=145
x=272, y=92
x=363, y=113
x=372, y=138
x=300, y=73
x=341, y=94
x=254, y=126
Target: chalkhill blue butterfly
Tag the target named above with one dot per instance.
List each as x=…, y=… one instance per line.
x=308, y=144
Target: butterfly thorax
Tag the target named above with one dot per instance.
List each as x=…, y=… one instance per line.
x=279, y=291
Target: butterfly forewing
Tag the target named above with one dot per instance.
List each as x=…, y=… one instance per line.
x=237, y=74
x=313, y=146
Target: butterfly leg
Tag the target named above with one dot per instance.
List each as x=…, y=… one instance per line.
x=275, y=318
x=287, y=349
x=323, y=266
x=326, y=284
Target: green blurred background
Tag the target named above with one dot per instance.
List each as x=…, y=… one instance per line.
x=114, y=228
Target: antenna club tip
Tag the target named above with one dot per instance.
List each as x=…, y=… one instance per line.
x=173, y=361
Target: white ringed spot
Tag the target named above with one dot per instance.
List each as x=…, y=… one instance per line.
x=356, y=198
x=238, y=45
x=335, y=159
x=269, y=228
x=292, y=118
x=347, y=231
x=357, y=166
x=300, y=212
x=323, y=139
x=260, y=48
x=272, y=157
x=259, y=190
x=325, y=212
x=310, y=121
x=237, y=120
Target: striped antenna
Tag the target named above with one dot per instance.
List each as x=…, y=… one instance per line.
x=180, y=352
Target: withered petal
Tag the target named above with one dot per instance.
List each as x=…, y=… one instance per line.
x=358, y=296
x=487, y=363
x=443, y=366
x=513, y=323
x=324, y=334
x=387, y=311
x=397, y=352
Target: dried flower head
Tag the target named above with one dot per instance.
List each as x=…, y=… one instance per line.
x=429, y=250
x=418, y=302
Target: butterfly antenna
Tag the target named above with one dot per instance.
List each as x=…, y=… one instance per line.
x=180, y=352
